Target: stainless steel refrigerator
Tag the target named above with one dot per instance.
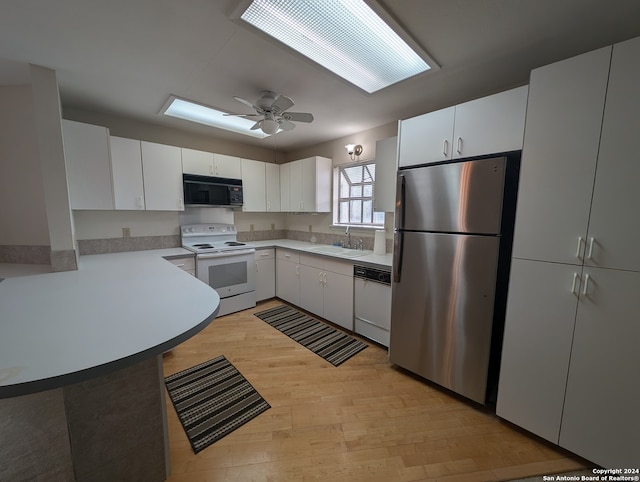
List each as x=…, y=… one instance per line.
x=452, y=247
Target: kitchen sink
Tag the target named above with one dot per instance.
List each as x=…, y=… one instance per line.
x=337, y=250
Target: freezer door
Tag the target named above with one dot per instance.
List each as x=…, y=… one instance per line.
x=459, y=197
x=442, y=310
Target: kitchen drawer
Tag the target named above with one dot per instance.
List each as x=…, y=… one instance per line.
x=268, y=253
x=187, y=263
x=288, y=255
x=325, y=263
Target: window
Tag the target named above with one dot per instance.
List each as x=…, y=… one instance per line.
x=355, y=192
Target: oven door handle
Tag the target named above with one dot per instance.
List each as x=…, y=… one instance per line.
x=225, y=254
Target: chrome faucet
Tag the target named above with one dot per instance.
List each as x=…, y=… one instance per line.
x=348, y=235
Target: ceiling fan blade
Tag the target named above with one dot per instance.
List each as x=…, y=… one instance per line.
x=285, y=125
x=298, y=116
x=255, y=126
x=242, y=115
x=282, y=103
x=245, y=102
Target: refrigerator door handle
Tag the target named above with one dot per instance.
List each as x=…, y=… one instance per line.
x=398, y=248
x=400, y=201
x=398, y=235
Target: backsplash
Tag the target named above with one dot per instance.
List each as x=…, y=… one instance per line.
x=133, y=243
x=25, y=254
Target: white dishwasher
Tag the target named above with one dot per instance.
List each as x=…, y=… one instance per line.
x=372, y=303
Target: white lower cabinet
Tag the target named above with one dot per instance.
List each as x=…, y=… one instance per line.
x=600, y=421
x=537, y=345
x=326, y=289
x=288, y=275
x=265, y=274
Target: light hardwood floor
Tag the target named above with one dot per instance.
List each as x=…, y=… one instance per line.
x=362, y=421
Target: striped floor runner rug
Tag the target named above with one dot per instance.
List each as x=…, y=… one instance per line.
x=212, y=400
x=323, y=340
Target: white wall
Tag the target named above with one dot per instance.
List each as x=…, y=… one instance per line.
x=23, y=216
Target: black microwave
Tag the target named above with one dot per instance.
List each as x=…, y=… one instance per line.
x=211, y=191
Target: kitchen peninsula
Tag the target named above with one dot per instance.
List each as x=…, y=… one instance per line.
x=81, y=382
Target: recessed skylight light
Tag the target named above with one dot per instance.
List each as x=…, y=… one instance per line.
x=345, y=36
x=194, y=112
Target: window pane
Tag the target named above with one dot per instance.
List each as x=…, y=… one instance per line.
x=367, y=211
x=370, y=172
x=367, y=190
x=354, y=174
x=344, y=212
x=344, y=186
x=356, y=212
x=378, y=217
x=356, y=191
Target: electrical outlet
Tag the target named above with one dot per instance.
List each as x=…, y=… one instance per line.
x=126, y=232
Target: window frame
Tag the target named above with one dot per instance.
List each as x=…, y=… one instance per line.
x=337, y=171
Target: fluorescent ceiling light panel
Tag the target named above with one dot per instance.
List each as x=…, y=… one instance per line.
x=345, y=36
x=194, y=112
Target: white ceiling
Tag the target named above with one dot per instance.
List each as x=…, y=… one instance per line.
x=125, y=57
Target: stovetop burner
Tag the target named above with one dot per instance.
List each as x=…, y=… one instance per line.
x=214, y=237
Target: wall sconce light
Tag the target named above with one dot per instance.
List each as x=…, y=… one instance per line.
x=354, y=150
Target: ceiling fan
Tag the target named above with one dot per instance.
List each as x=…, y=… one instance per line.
x=272, y=108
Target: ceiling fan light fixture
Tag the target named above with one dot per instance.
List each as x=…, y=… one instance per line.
x=202, y=114
x=355, y=39
x=269, y=126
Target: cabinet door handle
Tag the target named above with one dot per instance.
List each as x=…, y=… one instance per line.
x=574, y=283
x=459, y=148
x=324, y=277
x=180, y=203
x=445, y=148
x=590, y=253
x=586, y=284
x=257, y=267
x=320, y=276
x=211, y=169
x=578, y=248
x=140, y=203
x=298, y=270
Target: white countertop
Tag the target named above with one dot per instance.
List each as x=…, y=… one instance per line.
x=368, y=258
x=115, y=310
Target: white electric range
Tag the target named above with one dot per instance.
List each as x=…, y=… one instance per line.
x=224, y=263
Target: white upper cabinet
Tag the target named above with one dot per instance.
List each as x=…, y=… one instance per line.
x=253, y=186
x=126, y=165
x=272, y=182
x=564, y=119
x=490, y=124
x=86, y=151
x=227, y=166
x=285, y=192
x=309, y=185
x=487, y=125
x=162, y=173
x=384, y=194
x=426, y=138
x=197, y=162
x=614, y=230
